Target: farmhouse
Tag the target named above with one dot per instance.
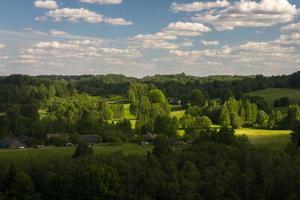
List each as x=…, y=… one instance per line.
x=58, y=135
x=90, y=139
x=11, y=142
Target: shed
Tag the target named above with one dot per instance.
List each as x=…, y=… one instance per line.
x=11, y=142
x=90, y=139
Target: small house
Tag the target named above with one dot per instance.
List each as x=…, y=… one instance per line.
x=58, y=135
x=11, y=143
x=89, y=139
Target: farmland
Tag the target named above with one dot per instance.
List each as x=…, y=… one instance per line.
x=23, y=155
x=272, y=94
x=275, y=140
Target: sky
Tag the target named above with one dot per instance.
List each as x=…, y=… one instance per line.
x=147, y=37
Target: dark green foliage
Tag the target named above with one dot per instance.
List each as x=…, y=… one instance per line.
x=282, y=102
x=197, y=98
x=17, y=185
x=295, y=135
x=166, y=126
x=161, y=146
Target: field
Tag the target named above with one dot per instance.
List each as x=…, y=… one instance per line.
x=178, y=114
x=275, y=140
x=23, y=155
x=271, y=94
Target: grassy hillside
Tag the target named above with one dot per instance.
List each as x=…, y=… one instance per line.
x=271, y=94
x=271, y=139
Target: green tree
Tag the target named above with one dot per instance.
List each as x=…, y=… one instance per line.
x=224, y=118
x=197, y=98
x=236, y=121
x=18, y=185
x=293, y=116
x=161, y=146
x=187, y=120
x=157, y=96
x=262, y=119
x=295, y=135
x=166, y=126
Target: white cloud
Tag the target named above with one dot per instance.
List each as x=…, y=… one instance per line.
x=209, y=43
x=244, y=13
x=295, y=27
x=75, y=15
x=198, y=6
x=57, y=33
x=288, y=39
x=166, y=38
x=206, y=52
x=82, y=14
x=47, y=4
x=117, y=21
x=2, y=46
x=74, y=51
x=102, y=1
x=186, y=29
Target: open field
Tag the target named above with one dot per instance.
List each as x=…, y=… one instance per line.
x=275, y=140
x=271, y=94
x=178, y=114
x=271, y=139
x=23, y=155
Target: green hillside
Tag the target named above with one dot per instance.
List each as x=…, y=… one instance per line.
x=271, y=94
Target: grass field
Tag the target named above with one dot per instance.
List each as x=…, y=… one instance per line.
x=275, y=140
x=178, y=114
x=23, y=155
x=271, y=94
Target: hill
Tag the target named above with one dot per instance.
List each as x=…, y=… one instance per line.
x=272, y=94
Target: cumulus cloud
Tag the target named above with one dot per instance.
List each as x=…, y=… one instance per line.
x=198, y=6
x=76, y=49
x=186, y=29
x=206, y=52
x=47, y=4
x=209, y=42
x=82, y=14
x=57, y=33
x=166, y=38
x=243, y=13
x=102, y=1
x=117, y=21
x=295, y=27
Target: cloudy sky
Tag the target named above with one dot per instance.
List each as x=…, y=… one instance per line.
x=146, y=37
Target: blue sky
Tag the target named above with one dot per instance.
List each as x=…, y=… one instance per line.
x=142, y=37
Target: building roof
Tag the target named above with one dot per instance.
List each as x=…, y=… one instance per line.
x=10, y=142
x=91, y=139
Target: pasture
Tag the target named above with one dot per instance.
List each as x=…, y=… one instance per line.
x=275, y=140
x=271, y=94
x=23, y=155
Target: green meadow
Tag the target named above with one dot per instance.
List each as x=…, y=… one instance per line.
x=275, y=140
x=23, y=155
x=271, y=94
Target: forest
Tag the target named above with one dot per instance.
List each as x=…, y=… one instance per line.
x=194, y=155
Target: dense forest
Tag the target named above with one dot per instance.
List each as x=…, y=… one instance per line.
x=212, y=163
